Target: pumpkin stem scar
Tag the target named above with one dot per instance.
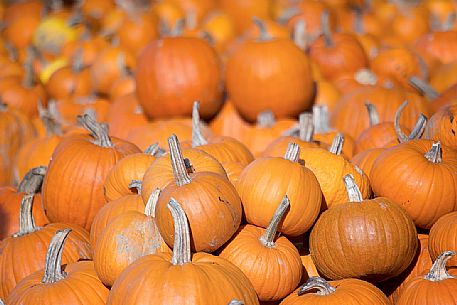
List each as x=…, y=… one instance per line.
x=438, y=271
x=352, y=189
x=179, y=168
x=181, y=245
x=434, y=155
x=323, y=287
x=197, y=137
x=267, y=239
x=53, y=265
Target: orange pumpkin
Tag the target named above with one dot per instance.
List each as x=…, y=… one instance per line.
x=242, y=11
x=440, y=46
x=443, y=237
x=421, y=168
x=442, y=126
x=265, y=181
x=228, y=122
x=365, y=159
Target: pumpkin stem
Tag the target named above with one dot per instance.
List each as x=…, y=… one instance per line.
x=197, y=137
x=150, y=209
x=417, y=131
x=372, y=113
x=438, y=271
x=136, y=184
x=267, y=239
x=179, y=28
x=434, y=155
x=53, y=265
x=419, y=128
x=300, y=38
x=121, y=65
x=29, y=77
x=321, y=119
x=358, y=21
x=77, y=62
x=323, y=287
x=352, y=189
x=232, y=302
x=3, y=303
x=181, y=245
x=265, y=119
x=325, y=23
x=3, y=106
x=287, y=14
x=50, y=122
x=337, y=144
x=178, y=164
x=292, y=152
x=191, y=20
x=306, y=127
x=155, y=150
x=264, y=35
x=26, y=221
x=32, y=181
x=423, y=87
x=99, y=131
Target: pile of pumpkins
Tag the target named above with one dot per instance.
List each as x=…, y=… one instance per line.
x=214, y=152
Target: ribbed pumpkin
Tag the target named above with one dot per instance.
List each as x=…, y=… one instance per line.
x=365, y=159
x=75, y=283
x=228, y=122
x=73, y=186
x=209, y=199
x=164, y=279
x=347, y=291
x=421, y=168
x=378, y=230
x=443, y=237
x=265, y=181
x=24, y=252
x=255, y=81
x=10, y=202
x=442, y=126
x=325, y=164
x=272, y=264
x=437, y=287
x=193, y=72
x=130, y=202
x=125, y=239
x=131, y=167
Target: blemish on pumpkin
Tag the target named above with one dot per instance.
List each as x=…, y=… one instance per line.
x=382, y=205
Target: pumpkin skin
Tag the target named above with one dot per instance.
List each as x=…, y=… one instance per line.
x=378, y=136
x=365, y=159
x=346, y=291
x=228, y=122
x=418, y=181
x=265, y=181
x=63, y=200
x=439, y=46
x=443, y=237
x=385, y=236
x=442, y=126
x=195, y=75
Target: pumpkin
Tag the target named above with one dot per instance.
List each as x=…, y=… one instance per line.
x=437, y=287
x=440, y=46
x=255, y=82
x=24, y=252
x=73, y=186
x=160, y=278
x=385, y=237
x=410, y=23
x=88, y=45
x=327, y=94
x=125, y=239
x=442, y=126
x=444, y=76
x=420, y=266
x=228, y=122
x=70, y=108
x=242, y=11
x=199, y=192
x=365, y=159
x=443, y=237
x=346, y=291
x=114, y=208
x=265, y=181
x=272, y=264
x=76, y=282
x=125, y=84
x=193, y=73
x=131, y=167
x=421, y=168
x=221, y=28
x=448, y=96
x=337, y=53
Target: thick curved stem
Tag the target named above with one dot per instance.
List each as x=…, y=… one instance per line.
x=434, y=155
x=292, y=152
x=264, y=35
x=155, y=150
x=337, y=144
x=419, y=128
x=372, y=113
x=26, y=221
x=50, y=122
x=266, y=119
x=181, y=245
x=323, y=287
x=197, y=137
x=99, y=131
x=417, y=131
x=325, y=23
x=306, y=127
x=268, y=238
x=136, y=184
x=150, y=208
x=352, y=189
x=423, y=87
x=33, y=180
x=438, y=271
x=178, y=164
x=321, y=119
x=53, y=265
